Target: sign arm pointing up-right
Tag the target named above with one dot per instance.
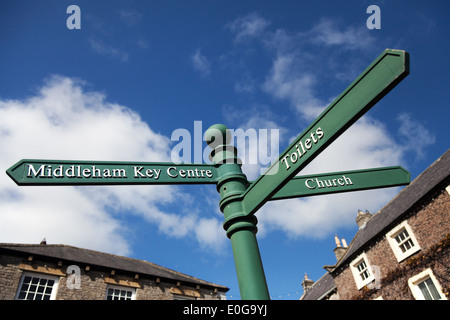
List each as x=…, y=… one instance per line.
x=374, y=83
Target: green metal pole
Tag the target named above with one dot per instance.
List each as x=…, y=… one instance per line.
x=240, y=228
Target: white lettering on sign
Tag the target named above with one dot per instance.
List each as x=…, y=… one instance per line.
x=302, y=148
x=329, y=183
x=137, y=172
x=73, y=171
x=148, y=173
x=173, y=172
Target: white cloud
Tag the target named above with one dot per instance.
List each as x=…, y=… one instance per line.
x=200, y=63
x=206, y=233
x=317, y=217
x=64, y=121
x=143, y=43
x=109, y=51
x=366, y=144
x=414, y=135
x=130, y=17
x=249, y=26
x=257, y=137
x=328, y=33
x=300, y=62
x=286, y=82
x=246, y=84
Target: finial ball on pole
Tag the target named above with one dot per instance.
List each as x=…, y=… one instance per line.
x=217, y=134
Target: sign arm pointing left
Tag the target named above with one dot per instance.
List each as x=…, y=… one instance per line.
x=57, y=172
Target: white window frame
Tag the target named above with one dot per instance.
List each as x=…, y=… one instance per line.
x=357, y=274
x=116, y=287
x=40, y=276
x=414, y=282
x=390, y=236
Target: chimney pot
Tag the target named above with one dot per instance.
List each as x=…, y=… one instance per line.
x=338, y=242
x=339, y=251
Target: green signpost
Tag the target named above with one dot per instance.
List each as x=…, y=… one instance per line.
x=344, y=181
x=56, y=172
x=377, y=80
x=239, y=198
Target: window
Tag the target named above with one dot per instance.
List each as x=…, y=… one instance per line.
x=429, y=290
x=362, y=273
x=362, y=270
x=424, y=286
x=120, y=293
x=402, y=241
x=37, y=287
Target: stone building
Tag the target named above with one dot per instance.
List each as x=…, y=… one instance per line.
x=399, y=253
x=53, y=271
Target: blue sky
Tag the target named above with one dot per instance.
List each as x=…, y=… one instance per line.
x=136, y=71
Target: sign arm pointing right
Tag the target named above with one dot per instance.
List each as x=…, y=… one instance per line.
x=391, y=67
x=344, y=181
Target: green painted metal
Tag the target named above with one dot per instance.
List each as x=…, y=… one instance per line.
x=240, y=228
x=376, y=81
x=344, y=181
x=57, y=172
x=247, y=258
x=239, y=198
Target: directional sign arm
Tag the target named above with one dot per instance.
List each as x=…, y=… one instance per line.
x=57, y=172
x=376, y=81
x=344, y=181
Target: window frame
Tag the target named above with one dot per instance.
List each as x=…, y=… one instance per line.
x=357, y=274
x=40, y=276
x=416, y=280
x=395, y=246
x=117, y=287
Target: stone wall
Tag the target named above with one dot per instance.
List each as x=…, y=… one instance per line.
x=93, y=283
x=429, y=222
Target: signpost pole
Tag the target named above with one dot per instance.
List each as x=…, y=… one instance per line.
x=239, y=198
x=240, y=227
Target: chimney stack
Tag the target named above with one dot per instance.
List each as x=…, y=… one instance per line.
x=340, y=250
x=307, y=283
x=362, y=218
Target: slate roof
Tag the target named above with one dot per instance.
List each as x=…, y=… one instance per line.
x=391, y=213
x=321, y=287
x=428, y=181
x=74, y=255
